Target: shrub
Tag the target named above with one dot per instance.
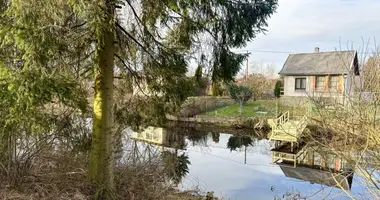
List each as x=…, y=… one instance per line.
x=277, y=89
x=240, y=94
x=196, y=105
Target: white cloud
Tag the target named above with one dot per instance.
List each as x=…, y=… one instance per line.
x=300, y=25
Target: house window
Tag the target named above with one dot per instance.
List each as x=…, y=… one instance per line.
x=320, y=83
x=300, y=83
x=333, y=84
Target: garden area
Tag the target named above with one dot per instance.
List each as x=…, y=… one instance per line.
x=259, y=108
x=249, y=109
x=239, y=104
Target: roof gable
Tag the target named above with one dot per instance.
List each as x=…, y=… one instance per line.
x=337, y=62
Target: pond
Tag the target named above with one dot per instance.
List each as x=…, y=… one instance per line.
x=239, y=165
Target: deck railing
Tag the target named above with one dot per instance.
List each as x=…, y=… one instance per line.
x=278, y=122
x=292, y=134
x=289, y=156
x=302, y=124
x=283, y=118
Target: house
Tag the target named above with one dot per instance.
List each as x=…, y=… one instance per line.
x=329, y=76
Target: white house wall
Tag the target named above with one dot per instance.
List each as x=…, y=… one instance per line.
x=289, y=88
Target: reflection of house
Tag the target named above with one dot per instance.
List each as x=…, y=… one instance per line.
x=328, y=178
x=314, y=165
x=160, y=136
x=151, y=134
x=325, y=75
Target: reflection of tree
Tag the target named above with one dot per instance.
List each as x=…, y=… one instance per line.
x=197, y=138
x=176, y=140
x=235, y=142
x=191, y=133
x=143, y=153
x=215, y=137
x=176, y=167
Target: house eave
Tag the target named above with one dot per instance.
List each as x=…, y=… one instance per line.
x=312, y=74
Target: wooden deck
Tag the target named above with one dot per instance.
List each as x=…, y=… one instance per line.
x=287, y=154
x=285, y=129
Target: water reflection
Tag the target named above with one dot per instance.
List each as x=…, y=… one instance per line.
x=235, y=142
x=215, y=137
x=161, y=137
x=239, y=166
x=314, y=164
x=175, y=163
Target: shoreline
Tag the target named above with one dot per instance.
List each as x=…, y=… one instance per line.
x=230, y=122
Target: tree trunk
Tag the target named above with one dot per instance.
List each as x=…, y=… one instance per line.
x=241, y=106
x=101, y=156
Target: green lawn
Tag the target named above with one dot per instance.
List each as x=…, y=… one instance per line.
x=250, y=109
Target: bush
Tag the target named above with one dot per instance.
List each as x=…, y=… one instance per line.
x=277, y=89
x=196, y=105
x=240, y=93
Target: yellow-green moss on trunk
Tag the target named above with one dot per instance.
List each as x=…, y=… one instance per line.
x=101, y=158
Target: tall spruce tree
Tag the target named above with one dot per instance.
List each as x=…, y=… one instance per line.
x=152, y=41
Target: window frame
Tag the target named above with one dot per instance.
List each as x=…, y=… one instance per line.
x=322, y=87
x=295, y=84
x=333, y=87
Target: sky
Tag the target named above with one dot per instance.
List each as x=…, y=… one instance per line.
x=300, y=25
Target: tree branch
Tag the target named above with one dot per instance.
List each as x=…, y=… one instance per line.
x=141, y=22
x=136, y=41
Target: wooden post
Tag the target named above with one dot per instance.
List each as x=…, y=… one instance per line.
x=291, y=146
x=245, y=154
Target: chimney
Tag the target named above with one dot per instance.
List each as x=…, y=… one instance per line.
x=316, y=49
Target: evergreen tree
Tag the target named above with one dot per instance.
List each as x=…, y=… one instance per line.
x=96, y=38
x=198, y=74
x=277, y=89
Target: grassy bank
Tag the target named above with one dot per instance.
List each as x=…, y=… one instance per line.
x=230, y=115
x=259, y=108
x=250, y=109
x=196, y=105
